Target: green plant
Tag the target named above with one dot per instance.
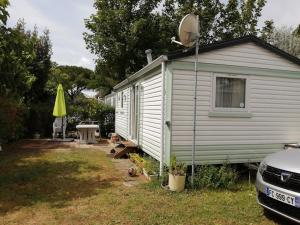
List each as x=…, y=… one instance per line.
x=39, y=119
x=89, y=109
x=216, y=177
x=138, y=161
x=11, y=119
x=151, y=165
x=177, y=168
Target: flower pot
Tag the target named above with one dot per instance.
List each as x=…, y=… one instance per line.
x=176, y=182
x=150, y=176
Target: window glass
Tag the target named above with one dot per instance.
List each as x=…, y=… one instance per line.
x=122, y=99
x=230, y=92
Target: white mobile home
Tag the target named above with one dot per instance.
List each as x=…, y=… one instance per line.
x=110, y=99
x=248, y=103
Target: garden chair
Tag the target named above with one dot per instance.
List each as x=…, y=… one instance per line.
x=57, y=124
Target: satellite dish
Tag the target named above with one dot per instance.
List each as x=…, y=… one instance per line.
x=188, y=30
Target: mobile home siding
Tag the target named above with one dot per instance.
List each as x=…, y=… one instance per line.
x=275, y=106
x=110, y=99
x=248, y=55
x=150, y=116
x=122, y=113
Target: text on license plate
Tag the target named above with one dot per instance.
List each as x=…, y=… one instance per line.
x=290, y=200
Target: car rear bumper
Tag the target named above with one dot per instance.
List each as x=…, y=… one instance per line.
x=273, y=205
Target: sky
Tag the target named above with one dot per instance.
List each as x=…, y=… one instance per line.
x=65, y=20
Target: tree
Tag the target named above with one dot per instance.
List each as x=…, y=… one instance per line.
x=285, y=38
x=40, y=65
x=15, y=79
x=121, y=31
x=267, y=30
x=16, y=54
x=117, y=29
x=73, y=78
x=3, y=12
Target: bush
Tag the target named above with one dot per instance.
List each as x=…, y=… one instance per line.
x=105, y=115
x=89, y=109
x=137, y=160
x=11, y=119
x=151, y=165
x=216, y=177
x=40, y=119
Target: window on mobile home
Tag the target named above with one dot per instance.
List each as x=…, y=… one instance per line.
x=122, y=99
x=230, y=92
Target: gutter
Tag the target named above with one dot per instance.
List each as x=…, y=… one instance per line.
x=141, y=72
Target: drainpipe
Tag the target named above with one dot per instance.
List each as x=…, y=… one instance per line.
x=162, y=138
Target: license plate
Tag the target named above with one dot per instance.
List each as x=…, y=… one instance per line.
x=279, y=196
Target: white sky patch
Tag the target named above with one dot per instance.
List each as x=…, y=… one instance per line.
x=89, y=93
x=85, y=62
x=283, y=12
x=65, y=20
x=25, y=10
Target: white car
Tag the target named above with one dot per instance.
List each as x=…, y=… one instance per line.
x=278, y=183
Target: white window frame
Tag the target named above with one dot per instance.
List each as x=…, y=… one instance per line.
x=247, y=93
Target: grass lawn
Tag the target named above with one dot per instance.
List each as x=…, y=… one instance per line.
x=81, y=186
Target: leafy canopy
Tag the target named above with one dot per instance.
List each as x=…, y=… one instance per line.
x=120, y=31
x=73, y=78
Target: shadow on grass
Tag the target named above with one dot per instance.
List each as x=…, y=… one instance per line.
x=277, y=218
x=29, y=182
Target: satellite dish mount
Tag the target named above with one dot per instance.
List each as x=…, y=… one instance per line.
x=188, y=33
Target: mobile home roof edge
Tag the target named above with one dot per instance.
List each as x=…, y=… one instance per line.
x=232, y=42
x=142, y=71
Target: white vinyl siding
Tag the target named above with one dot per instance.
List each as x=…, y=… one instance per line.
x=150, y=116
x=248, y=54
x=122, y=113
x=110, y=100
x=275, y=108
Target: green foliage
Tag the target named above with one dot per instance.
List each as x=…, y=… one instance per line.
x=151, y=165
x=73, y=78
x=16, y=54
x=3, y=12
x=89, y=109
x=39, y=119
x=40, y=66
x=137, y=160
x=177, y=168
x=24, y=67
x=148, y=163
x=285, y=38
x=216, y=177
x=267, y=30
x=12, y=115
x=105, y=115
x=121, y=31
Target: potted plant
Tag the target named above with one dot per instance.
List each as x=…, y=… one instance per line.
x=177, y=175
x=151, y=168
x=138, y=161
